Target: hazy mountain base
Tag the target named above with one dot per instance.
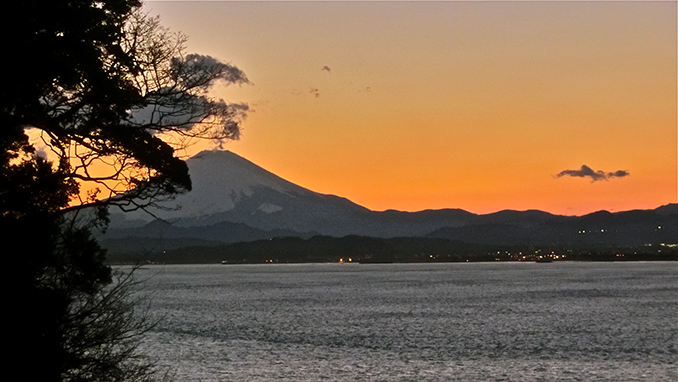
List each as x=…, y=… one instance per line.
x=507, y=228
x=517, y=233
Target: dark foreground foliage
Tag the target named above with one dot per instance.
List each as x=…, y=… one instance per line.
x=89, y=89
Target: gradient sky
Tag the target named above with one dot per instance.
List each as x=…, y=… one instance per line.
x=472, y=105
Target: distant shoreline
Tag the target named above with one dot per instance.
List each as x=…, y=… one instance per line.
x=672, y=259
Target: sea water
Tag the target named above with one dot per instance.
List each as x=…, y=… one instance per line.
x=561, y=321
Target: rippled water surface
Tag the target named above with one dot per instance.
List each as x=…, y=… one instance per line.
x=417, y=322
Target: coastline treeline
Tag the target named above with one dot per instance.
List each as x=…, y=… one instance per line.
x=361, y=249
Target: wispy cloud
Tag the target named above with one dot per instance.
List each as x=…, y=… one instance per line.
x=587, y=172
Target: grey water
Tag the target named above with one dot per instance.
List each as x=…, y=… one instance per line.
x=561, y=321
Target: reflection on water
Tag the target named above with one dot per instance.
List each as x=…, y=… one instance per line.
x=417, y=322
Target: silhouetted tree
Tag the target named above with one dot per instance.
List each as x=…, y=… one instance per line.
x=106, y=95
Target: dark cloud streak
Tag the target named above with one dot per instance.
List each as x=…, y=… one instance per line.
x=586, y=171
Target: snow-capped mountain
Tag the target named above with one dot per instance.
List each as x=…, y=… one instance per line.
x=222, y=180
x=227, y=187
x=235, y=200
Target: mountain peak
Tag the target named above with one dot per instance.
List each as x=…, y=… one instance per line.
x=222, y=178
x=215, y=153
x=221, y=156
x=233, y=172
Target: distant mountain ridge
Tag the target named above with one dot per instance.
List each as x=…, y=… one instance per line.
x=234, y=200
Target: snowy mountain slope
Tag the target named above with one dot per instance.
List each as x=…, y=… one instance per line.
x=222, y=179
x=227, y=187
x=230, y=189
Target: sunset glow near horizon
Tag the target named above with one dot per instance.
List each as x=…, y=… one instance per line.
x=471, y=105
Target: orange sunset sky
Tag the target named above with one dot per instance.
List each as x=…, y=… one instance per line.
x=474, y=105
